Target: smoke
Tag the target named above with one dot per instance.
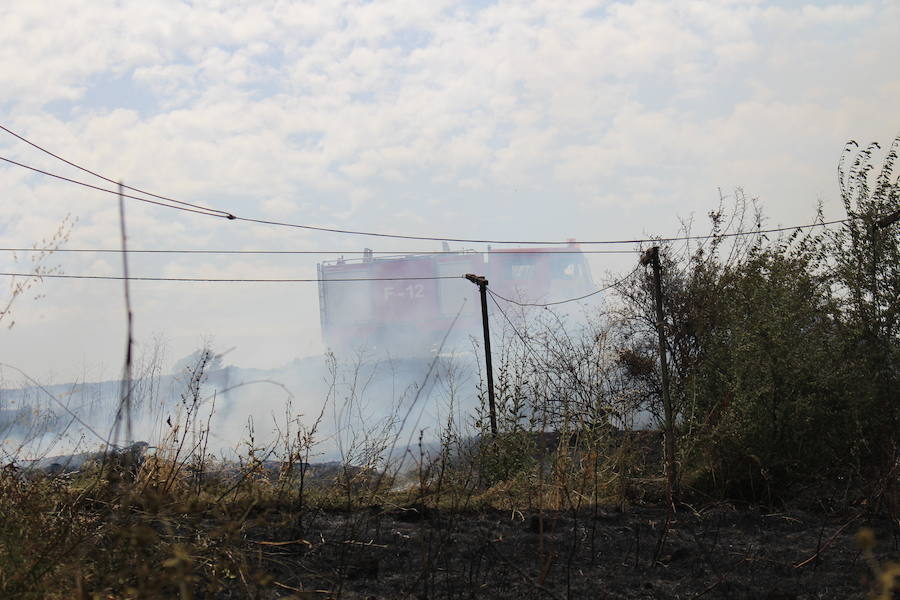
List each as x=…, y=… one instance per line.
x=355, y=403
x=404, y=366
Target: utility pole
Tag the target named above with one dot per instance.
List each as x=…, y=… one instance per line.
x=482, y=284
x=882, y=355
x=126, y=396
x=881, y=223
x=651, y=257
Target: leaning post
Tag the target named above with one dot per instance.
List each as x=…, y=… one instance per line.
x=482, y=284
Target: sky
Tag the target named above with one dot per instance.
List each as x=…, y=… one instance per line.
x=543, y=120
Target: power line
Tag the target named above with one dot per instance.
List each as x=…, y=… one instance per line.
x=516, y=331
x=212, y=212
x=545, y=304
x=203, y=211
x=405, y=253
x=107, y=179
x=521, y=337
x=542, y=242
x=232, y=280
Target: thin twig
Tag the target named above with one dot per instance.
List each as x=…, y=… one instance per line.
x=827, y=543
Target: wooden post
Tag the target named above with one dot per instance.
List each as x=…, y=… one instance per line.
x=126, y=384
x=482, y=284
x=651, y=257
x=882, y=354
x=881, y=223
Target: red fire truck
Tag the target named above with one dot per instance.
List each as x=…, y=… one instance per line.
x=380, y=302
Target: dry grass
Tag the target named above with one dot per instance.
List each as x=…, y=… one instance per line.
x=172, y=526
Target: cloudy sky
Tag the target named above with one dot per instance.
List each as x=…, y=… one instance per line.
x=508, y=120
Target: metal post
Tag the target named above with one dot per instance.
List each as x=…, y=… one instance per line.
x=651, y=256
x=482, y=284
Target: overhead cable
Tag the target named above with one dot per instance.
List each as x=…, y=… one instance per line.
x=516, y=331
x=337, y=252
x=107, y=179
x=187, y=208
x=233, y=217
x=213, y=212
x=226, y=280
x=542, y=242
x=545, y=304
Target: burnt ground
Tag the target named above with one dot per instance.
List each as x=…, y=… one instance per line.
x=266, y=548
x=719, y=552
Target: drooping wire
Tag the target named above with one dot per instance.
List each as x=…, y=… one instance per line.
x=196, y=209
x=542, y=242
x=212, y=212
x=546, y=304
x=515, y=330
x=108, y=180
x=521, y=337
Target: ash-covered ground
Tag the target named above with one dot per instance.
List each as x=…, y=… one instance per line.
x=717, y=552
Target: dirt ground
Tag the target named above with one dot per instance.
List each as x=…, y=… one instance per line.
x=717, y=552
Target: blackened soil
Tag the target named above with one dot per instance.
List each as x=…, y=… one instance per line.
x=720, y=552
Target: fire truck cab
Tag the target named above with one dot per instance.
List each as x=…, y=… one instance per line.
x=405, y=304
